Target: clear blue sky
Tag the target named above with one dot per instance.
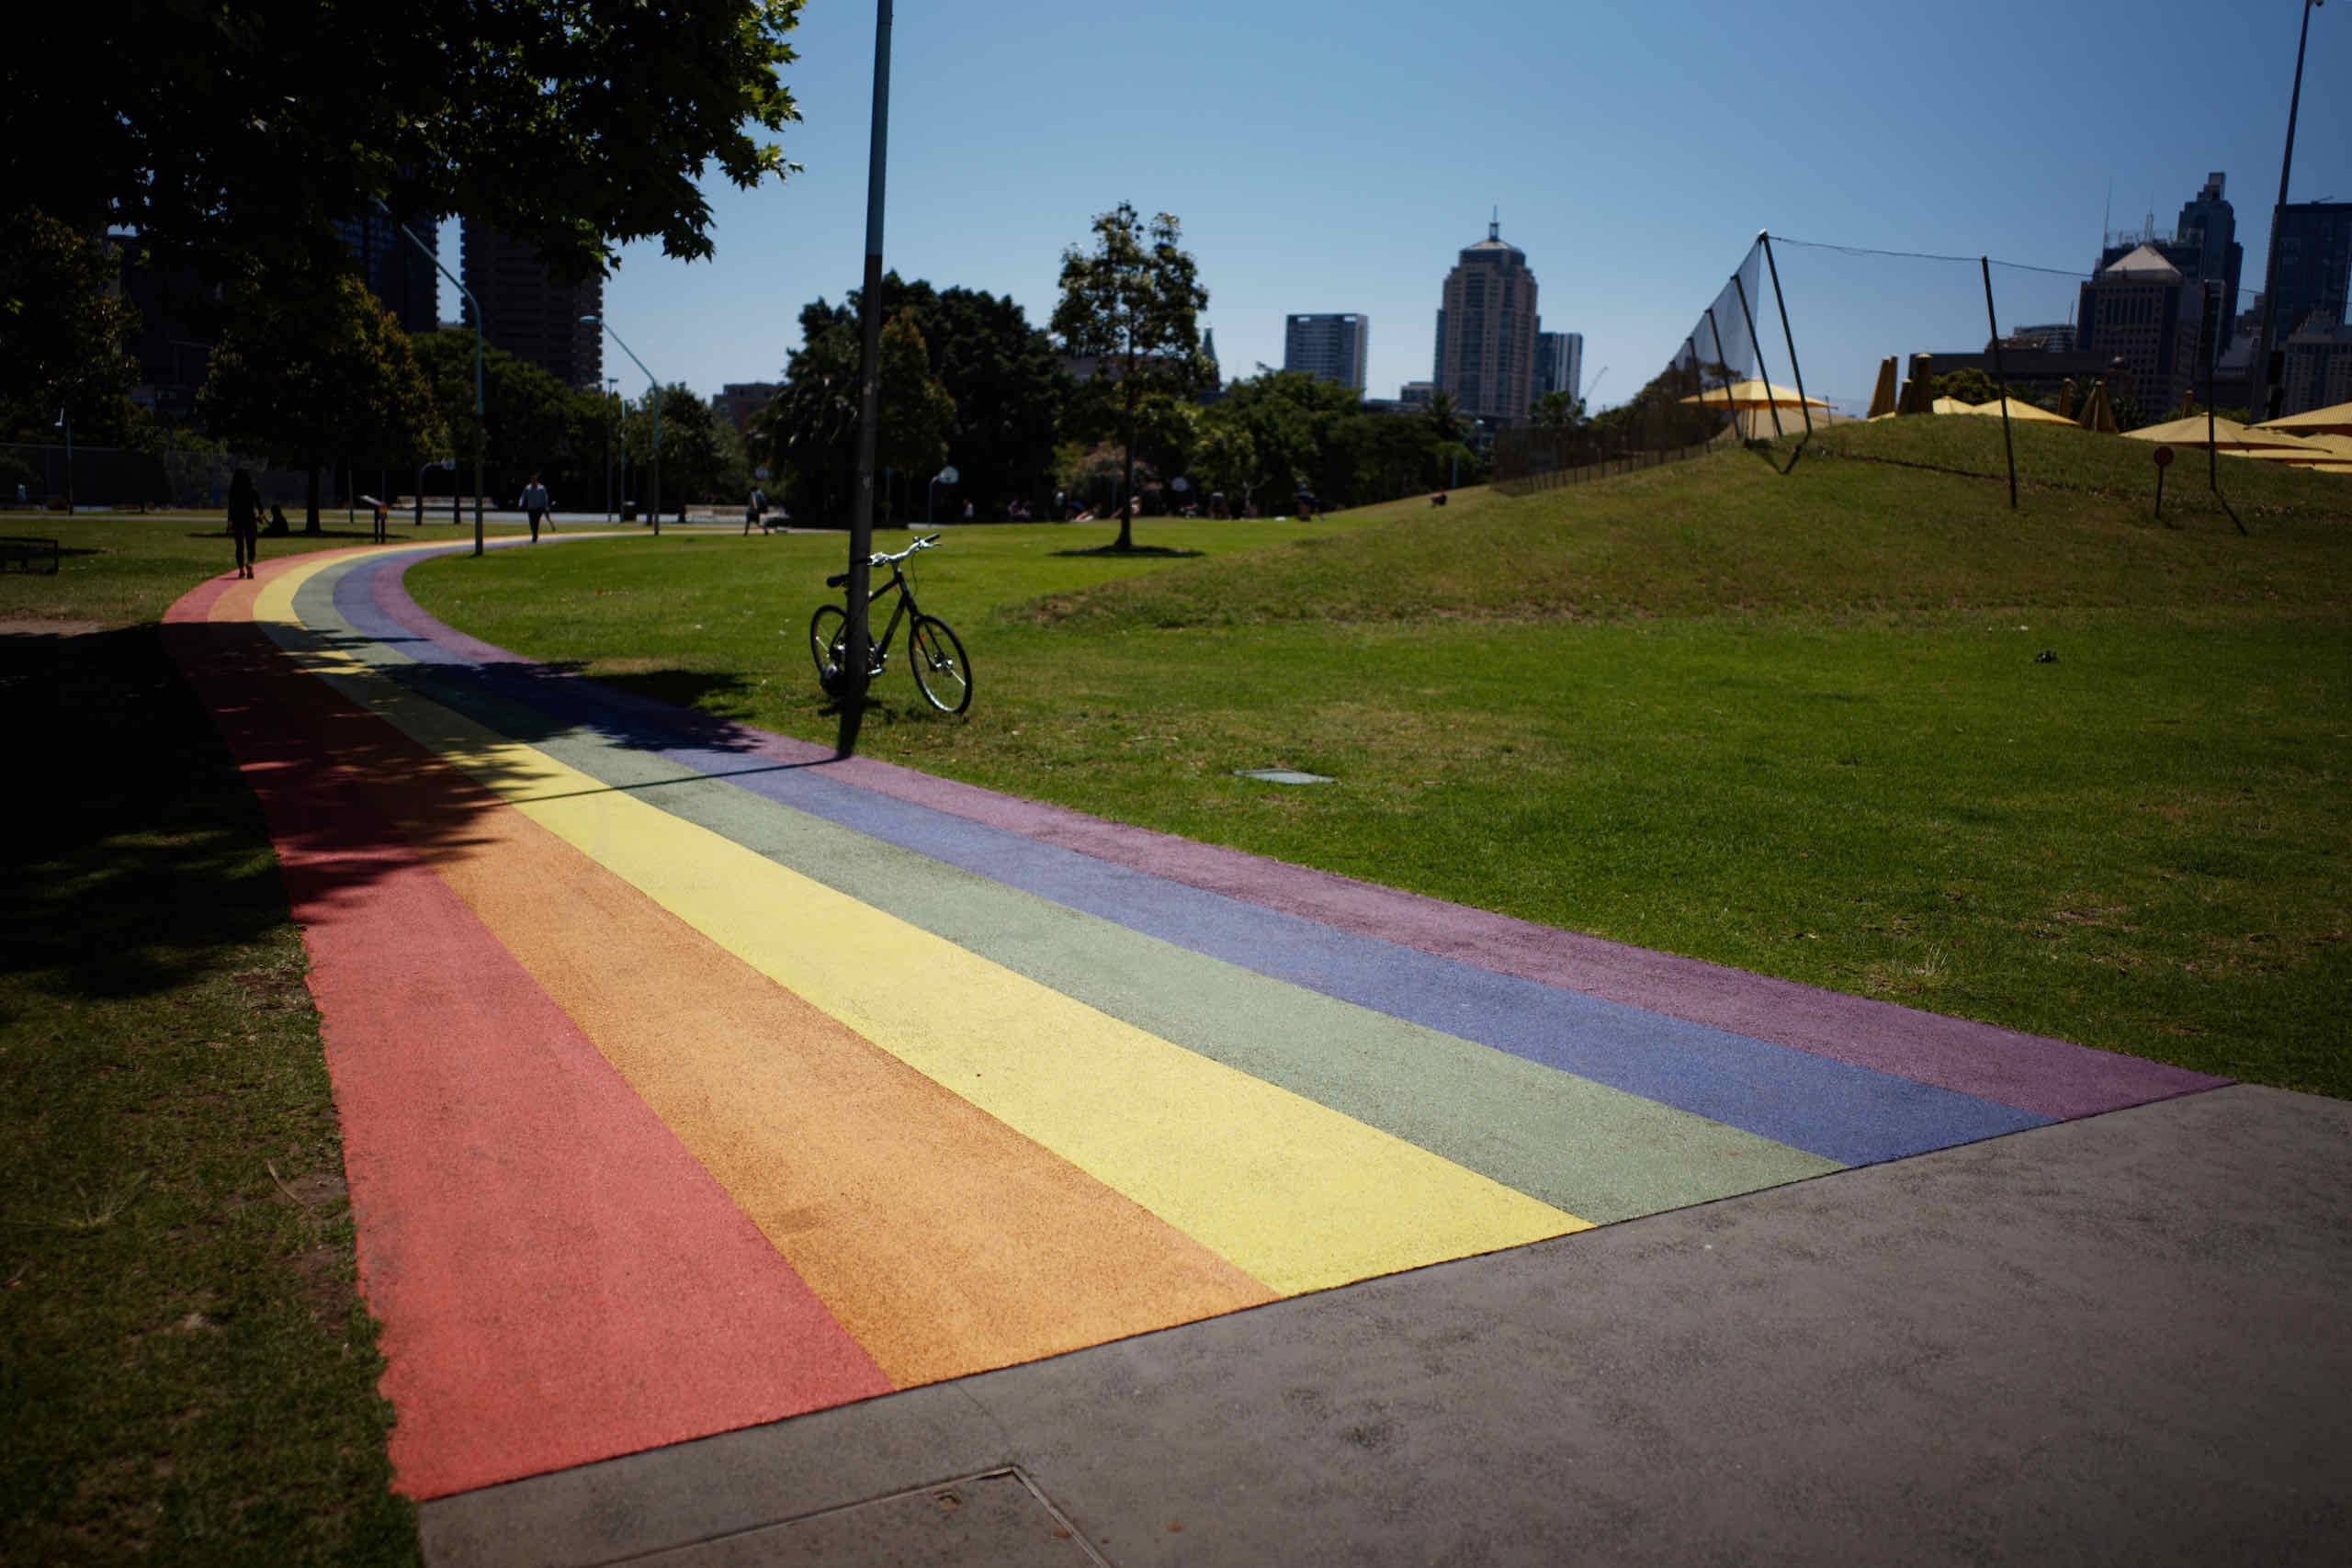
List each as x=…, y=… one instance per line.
x=1334, y=155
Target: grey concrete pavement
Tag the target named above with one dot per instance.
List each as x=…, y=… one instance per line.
x=2122, y=1339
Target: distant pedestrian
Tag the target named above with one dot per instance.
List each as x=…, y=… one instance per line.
x=245, y=520
x=534, y=504
x=755, y=510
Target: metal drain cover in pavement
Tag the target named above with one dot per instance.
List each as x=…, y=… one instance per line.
x=996, y=1520
x=1278, y=775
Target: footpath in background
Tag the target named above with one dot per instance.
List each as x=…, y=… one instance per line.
x=692, y=1078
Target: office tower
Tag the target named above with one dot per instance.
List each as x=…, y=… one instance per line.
x=1559, y=362
x=396, y=270
x=529, y=313
x=2312, y=261
x=2208, y=231
x=1485, y=331
x=2141, y=313
x=1329, y=347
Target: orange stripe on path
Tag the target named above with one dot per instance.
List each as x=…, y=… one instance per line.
x=557, y=1279
x=946, y=1242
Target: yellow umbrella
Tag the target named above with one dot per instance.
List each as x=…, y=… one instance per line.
x=2226, y=435
x=1882, y=395
x=1752, y=395
x=2098, y=412
x=1950, y=405
x=2024, y=413
x=2303, y=451
x=2334, y=420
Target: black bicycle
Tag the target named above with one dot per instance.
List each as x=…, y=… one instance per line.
x=940, y=670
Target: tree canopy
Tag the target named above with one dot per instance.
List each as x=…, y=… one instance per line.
x=61, y=331
x=1132, y=304
x=319, y=376
x=210, y=128
x=999, y=372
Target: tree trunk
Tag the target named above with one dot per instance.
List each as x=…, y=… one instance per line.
x=1127, y=485
x=310, y=517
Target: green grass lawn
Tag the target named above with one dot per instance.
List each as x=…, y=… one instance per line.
x=187, y=1371
x=1796, y=723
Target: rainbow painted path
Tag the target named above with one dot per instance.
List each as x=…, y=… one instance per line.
x=692, y=1079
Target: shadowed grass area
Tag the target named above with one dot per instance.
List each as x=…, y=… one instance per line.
x=186, y=1368
x=1797, y=724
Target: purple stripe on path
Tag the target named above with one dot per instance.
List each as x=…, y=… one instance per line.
x=2032, y=1073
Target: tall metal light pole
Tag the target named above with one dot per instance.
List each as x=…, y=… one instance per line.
x=869, y=388
x=481, y=425
x=2267, y=408
x=610, y=398
x=65, y=423
x=656, y=394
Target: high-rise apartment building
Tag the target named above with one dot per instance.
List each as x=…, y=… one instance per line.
x=1328, y=347
x=397, y=272
x=1485, y=331
x=738, y=400
x=530, y=314
x=1559, y=362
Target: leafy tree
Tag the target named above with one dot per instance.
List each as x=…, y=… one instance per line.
x=916, y=413
x=60, y=332
x=1133, y=304
x=1225, y=461
x=999, y=372
x=1558, y=410
x=808, y=434
x=531, y=425
x=315, y=374
x=696, y=457
x=213, y=130
x=1444, y=417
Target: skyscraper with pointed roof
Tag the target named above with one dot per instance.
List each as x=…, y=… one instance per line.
x=1485, y=331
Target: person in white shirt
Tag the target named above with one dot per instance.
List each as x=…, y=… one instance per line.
x=535, y=502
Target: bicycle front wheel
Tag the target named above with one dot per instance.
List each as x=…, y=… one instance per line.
x=829, y=643
x=939, y=665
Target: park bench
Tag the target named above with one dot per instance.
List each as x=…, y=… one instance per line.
x=21, y=553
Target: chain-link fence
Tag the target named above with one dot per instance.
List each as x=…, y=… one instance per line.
x=1805, y=337
x=118, y=477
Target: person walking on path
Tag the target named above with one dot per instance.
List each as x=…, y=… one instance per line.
x=535, y=504
x=245, y=520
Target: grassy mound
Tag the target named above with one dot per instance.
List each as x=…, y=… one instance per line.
x=1872, y=519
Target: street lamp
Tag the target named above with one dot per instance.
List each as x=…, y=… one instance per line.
x=481, y=427
x=2268, y=406
x=65, y=423
x=610, y=382
x=946, y=476
x=656, y=385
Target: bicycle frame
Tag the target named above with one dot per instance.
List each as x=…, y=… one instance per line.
x=879, y=646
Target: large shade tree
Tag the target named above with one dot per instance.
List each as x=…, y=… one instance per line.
x=1132, y=305
x=62, y=333
x=215, y=131
x=321, y=375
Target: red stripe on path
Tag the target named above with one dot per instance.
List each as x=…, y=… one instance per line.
x=557, y=1279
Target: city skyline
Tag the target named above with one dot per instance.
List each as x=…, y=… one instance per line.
x=1631, y=200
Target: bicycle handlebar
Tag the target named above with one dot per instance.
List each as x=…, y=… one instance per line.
x=877, y=559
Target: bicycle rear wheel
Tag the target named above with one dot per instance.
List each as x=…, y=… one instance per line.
x=829, y=643
x=939, y=665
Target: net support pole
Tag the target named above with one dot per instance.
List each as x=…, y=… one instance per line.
x=2000, y=380
x=1724, y=360
x=1779, y=302
x=2212, y=349
x=1763, y=371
